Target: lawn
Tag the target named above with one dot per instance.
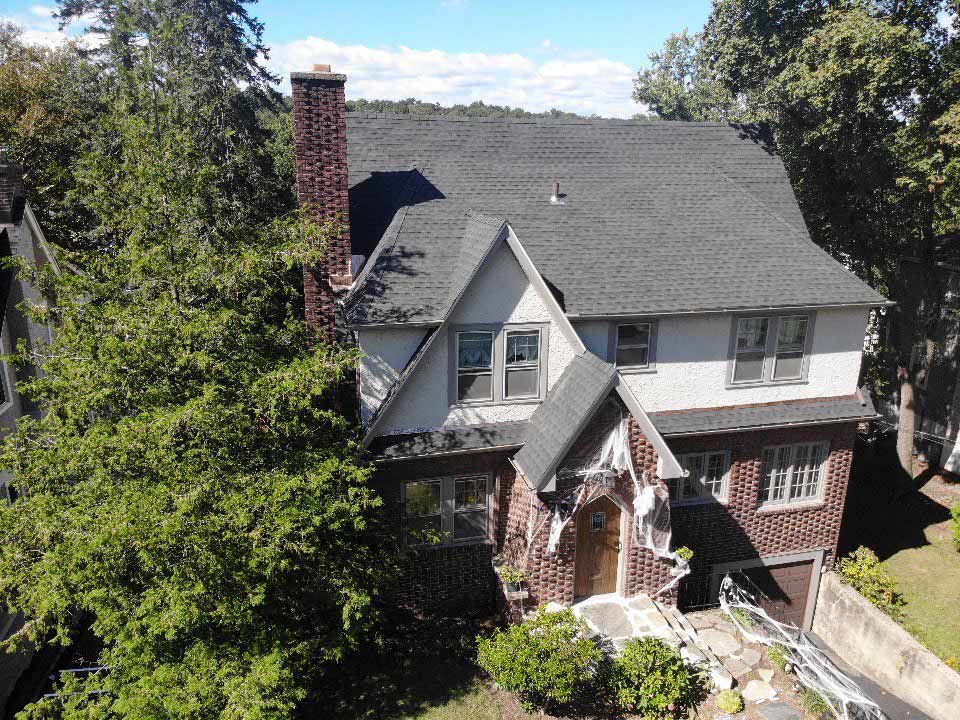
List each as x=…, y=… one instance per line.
x=910, y=531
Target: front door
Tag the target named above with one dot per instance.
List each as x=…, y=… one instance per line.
x=598, y=548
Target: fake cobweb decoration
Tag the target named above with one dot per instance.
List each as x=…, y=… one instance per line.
x=813, y=668
x=597, y=469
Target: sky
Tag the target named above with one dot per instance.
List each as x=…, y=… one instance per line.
x=575, y=56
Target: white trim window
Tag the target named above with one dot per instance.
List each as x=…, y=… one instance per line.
x=707, y=480
x=521, y=366
x=791, y=344
x=793, y=473
x=474, y=366
x=447, y=510
x=750, y=350
x=633, y=345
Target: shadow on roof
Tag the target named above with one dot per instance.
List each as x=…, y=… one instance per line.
x=374, y=203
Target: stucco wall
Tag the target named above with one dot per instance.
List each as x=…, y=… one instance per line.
x=692, y=355
x=499, y=294
x=385, y=355
x=878, y=647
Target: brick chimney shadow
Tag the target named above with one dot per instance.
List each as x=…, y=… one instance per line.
x=375, y=201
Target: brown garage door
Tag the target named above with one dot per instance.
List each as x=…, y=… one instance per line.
x=785, y=587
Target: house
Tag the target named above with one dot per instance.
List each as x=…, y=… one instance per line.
x=522, y=288
x=20, y=234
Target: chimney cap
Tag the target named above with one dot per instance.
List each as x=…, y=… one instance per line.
x=317, y=67
x=319, y=72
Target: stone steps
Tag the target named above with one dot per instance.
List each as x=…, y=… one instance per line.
x=695, y=650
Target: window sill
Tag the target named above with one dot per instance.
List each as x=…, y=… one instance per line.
x=631, y=370
x=492, y=403
x=765, y=383
x=697, y=503
x=780, y=508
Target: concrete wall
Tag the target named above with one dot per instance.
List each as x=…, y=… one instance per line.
x=878, y=647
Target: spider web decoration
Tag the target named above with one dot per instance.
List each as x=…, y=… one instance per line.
x=813, y=668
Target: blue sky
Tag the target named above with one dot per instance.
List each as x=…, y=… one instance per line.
x=577, y=56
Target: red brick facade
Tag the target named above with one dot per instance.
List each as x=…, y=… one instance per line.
x=320, y=137
x=738, y=529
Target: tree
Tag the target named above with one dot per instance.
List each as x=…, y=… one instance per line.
x=858, y=94
x=190, y=492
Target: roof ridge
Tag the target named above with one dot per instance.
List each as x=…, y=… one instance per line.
x=636, y=122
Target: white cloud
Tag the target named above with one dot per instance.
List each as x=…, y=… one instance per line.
x=41, y=11
x=574, y=83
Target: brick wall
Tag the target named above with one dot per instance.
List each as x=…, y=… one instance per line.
x=320, y=140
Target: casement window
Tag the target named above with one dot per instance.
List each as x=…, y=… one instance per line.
x=707, y=479
x=474, y=366
x=793, y=473
x=521, y=366
x=770, y=349
x=454, y=509
x=498, y=364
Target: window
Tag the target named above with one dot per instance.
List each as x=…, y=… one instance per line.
x=770, y=349
x=521, y=377
x=498, y=364
x=474, y=366
x=791, y=340
x=707, y=479
x=598, y=521
x=453, y=509
x=792, y=473
x=750, y=349
x=633, y=345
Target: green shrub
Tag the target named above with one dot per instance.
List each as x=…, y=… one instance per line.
x=685, y=553
x=743, y=618
x=780, y=656
x=863, y=571
x=953, y=663
x=814, y=703
x=545, y=660
x=510, y=575
x=955, y=512
x=651, y=679
x=730, y=701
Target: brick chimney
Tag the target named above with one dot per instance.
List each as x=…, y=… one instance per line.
x=320, y=140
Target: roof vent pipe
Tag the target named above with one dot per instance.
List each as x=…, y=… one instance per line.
x=555, y=198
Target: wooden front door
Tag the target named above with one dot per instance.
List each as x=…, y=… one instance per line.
x=598, y=548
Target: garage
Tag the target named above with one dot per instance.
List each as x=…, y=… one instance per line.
x=788, y=584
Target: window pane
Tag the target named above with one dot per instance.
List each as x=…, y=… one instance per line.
x=776, y=471
x=474, y=386
x=751, y=334
x=423, y=498
x=789, y=365
x=522, y=383
x=632, y=356
x=423, y=529
x=633, y=334
x=470, y=524
x=792, y=333
x=523, y=347
x=748, y=367
x=693, y=482
x=716, y=467
x=475, y=349
x=471, y=493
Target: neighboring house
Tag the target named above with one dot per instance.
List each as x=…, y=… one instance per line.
x=19, y=235
x=505, y=321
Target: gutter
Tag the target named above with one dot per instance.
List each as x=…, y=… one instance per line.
x=778, y=426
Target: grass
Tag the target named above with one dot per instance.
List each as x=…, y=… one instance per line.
x=478, y=703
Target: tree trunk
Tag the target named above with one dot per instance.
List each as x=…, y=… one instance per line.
x=907, y=421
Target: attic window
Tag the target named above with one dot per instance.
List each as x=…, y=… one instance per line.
x=474, y=366
x=521, y=371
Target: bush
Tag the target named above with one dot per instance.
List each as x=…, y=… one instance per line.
x=685, y=553
x=955, y=512
x=545, y=660
x=743, y=618
x=651, y=679
x=730, y=701
x=780, y=656
x=814, y=703
x=862, y=571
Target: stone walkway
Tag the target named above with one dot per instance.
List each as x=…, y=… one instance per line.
x=704, y=638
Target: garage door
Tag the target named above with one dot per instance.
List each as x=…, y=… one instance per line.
x=786, y=587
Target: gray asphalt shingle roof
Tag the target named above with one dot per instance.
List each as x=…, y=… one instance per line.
x=657, y=217
x=452, y=440
x=556, y=423
x=839, y=409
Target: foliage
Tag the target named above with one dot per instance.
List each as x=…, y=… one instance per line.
x=511, y=575
x=742, y=617
x=190, y=492
x=650, y=678
x=953, y=663
x=685, y=553
x=729, y=701
x=780, y=656
x=814, y=703
x=863, y=571
x=545, y=660
x=478, y=108
x=955, y=525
